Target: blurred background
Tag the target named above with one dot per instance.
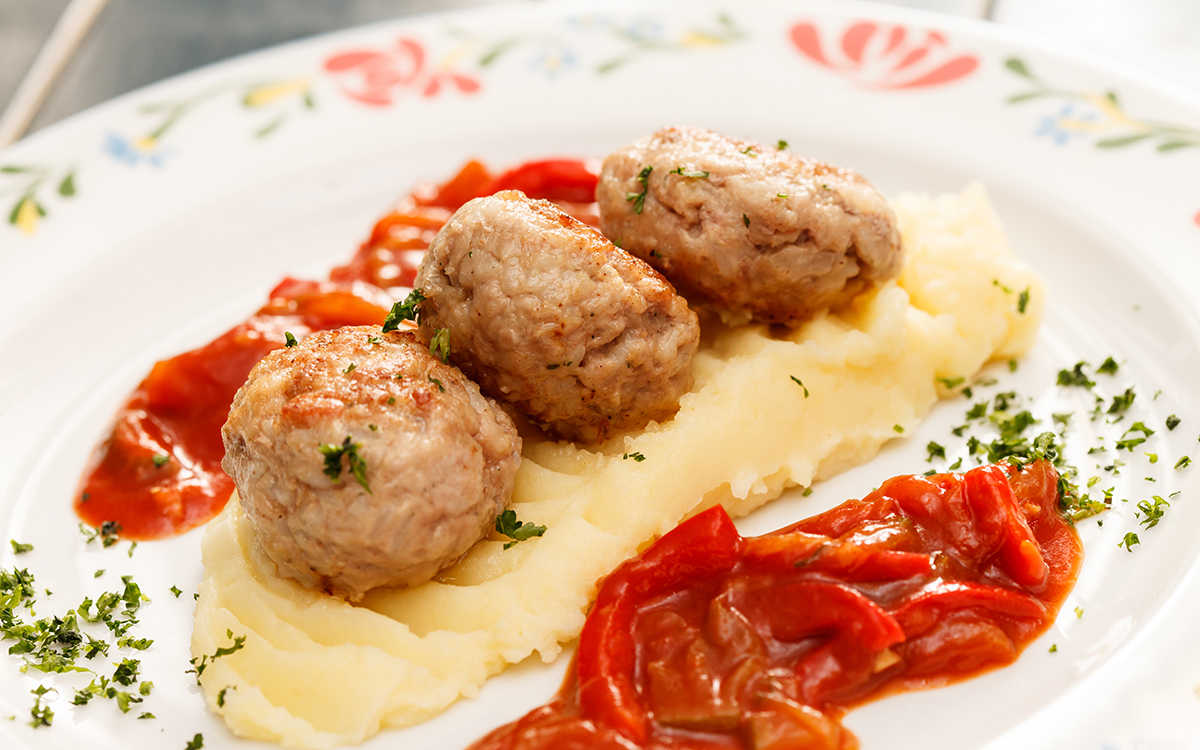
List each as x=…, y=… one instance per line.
x=59, y=57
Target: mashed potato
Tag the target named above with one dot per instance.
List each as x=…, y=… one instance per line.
x=769, y=410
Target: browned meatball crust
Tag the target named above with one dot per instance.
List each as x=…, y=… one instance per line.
x=546, y=314
x=438, y=460
x=753, y=231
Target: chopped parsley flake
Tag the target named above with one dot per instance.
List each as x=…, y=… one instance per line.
x=796, y=380
x=1013, y=365
x=176, y=591
x=438, y=383
x=289, y=340
x=897, y=429
x=1023, y=301
x=439, y=345
x=1152, y=513
x=951, y=383
x=1183, y=462
x=1129, y=540
x=749, y=151
x=689, y=173
x=639, y=199
x=20, y=549
x=1053, y=647
x=160, y=460
x=1079, y=611
x=333, y=461
x=1173, y=422
x=635, y=456
x=655, y=254
x=221, y=695
x=406, y=310
x=350, y=368
x=108, y=533
x=1108, y=367
x=935, y=450
x=781, y=145
x=1129, y=443
x=42, y=715
x=1075, y=376
x=196, y=743
x=508, y=525
x=1122, y=403
x=199, y=664
x=1003, y=288
x=746, y=220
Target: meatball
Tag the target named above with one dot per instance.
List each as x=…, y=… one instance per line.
x=752, y=231
x=363, y=461
x=548, y=315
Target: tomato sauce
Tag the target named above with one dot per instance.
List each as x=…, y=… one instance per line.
x=158, y=473
x=712, y=640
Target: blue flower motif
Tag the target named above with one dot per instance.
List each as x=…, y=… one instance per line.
x=135, y=151
x=1060, y=127
x=554, y=59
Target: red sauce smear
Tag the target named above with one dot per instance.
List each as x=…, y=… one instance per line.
x=158, y=473
x=713, y=640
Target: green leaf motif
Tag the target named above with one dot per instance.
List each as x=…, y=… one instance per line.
x=66, y=188
x=1016, y=65
x=1176, y=145
x=1018, y=98
x=1122, y=141
x=270, y=127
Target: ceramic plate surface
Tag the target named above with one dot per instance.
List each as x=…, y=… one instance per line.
x=151, y=224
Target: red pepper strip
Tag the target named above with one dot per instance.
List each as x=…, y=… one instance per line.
x=702, y=546
x=810, y=553
x=995, y=504
x=921, y=611
x=472, y=181
x=569, y=180
x=807, y=608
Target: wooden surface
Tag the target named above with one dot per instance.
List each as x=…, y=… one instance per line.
x=137, y=42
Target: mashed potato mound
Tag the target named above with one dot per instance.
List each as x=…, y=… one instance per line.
x=316, y=672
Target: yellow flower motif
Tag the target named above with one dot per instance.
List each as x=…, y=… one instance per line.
x=455, y=56
x=27, y=215
x=699, y=39
x=265, y=94
x=145, y=144
x=1111, y=117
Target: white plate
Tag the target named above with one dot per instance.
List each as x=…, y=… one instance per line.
x=194, y=196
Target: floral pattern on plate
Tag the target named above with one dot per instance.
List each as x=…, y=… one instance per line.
x=886, y=56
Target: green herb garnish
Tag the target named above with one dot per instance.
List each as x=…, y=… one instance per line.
x=508, y=525
x=439, y=345
x=639, y=199
x=406, y=310
x=333, y=461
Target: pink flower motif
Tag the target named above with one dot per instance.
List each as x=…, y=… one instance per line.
x=375, y=77
x=887, y=56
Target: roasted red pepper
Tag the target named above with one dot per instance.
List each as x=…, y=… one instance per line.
x=709, y=640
